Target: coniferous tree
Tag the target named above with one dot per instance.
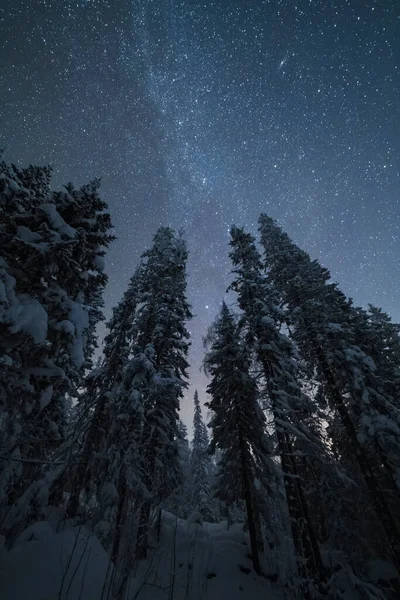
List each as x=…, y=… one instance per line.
x=379, y=338
x=200, y=462
x=111, y=408
x=180, y=501
x=133, y=434
x=237, y=426
x=163, y=338
x=262, y=317
x=184, y=448
x=322, y=322
x=50, y=274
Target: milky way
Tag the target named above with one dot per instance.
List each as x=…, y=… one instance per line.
x=203, y=114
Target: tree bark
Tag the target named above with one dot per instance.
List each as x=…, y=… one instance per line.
x=309, y=560
x=143, y=530
x=82, y=471
x=121, y=515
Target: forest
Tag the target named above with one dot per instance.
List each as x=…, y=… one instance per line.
x=289, y=485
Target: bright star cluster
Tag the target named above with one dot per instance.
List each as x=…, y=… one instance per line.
x=203, y=114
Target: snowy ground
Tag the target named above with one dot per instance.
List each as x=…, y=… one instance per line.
x=191, y=562
x=208, y=560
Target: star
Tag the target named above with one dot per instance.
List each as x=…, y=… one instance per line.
x=185, y=114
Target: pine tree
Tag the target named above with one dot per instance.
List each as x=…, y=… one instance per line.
x=200, y=463
x=237, y=425
x=322, y=323
x=262, y=316
x=49, y=277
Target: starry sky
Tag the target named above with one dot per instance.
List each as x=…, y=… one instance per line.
x=203, y=114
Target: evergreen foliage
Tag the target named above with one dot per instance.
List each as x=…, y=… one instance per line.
x=324, y=326
x=111, y=414
x=304, y=389
x=200, y=462
x=262, y=318
x=237, y=425
x=51, y=284
x=162, y=341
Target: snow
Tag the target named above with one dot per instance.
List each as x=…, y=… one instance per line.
x=13, y=185
x=66, y=326
x=201, y=562
x=29, y=316
x=6, y=360
x=46, y=397
x=57, y=221
x=108, y=493
x=26, y=235
x=99, y=263
x=79, y=317
x=192, y=561
x=20, y=312
x=35, y=566
x=265, y=320
x=49, y=370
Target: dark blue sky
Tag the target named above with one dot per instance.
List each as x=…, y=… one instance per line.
x=203, y=114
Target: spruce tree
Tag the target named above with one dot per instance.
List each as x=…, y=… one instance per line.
x=237, y=425
x=111, y=413
x=262, y=318
x=163, y=338
x=131, y=448
x=50, y=273
x=180, y=501
x=200, y=463
x=322, y=323
x=379, y=339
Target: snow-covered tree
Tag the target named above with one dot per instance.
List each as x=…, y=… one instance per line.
x=237, y=424
x=52, y=246
x=109, y=466
x=180, y=501
x=200, y=462
x=323, y=326
x=262, y=319
x=162, y=336
x=132, y=436
x=184, y=448
x=379, y=338
x=84, y=210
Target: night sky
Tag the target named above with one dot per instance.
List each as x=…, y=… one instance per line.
x=203, y=114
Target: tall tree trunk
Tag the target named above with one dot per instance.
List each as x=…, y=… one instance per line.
x=147, y=505
x=311, y=535
x=251, y=519
x=121, y=515
x=82, y=475
x=309, y=560
x=143, y=530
